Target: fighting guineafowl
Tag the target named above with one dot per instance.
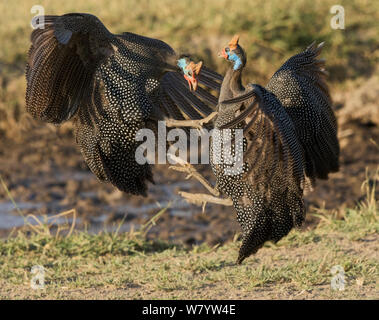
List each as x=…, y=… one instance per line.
x=288, y=140
x=111, y=86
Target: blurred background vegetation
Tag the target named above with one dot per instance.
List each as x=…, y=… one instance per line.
x=270, y=31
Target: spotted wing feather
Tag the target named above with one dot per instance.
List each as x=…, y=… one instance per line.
x=111, y=86
x=301, y=88
x=61, y=64
x=273, y=148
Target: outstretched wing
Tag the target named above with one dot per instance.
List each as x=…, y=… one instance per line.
x=108, y=84
x=62, y=60
x=300, y=87
x=179, y=103
x=65, y=54
x=273, y=152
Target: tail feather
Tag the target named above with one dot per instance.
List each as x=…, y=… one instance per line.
x=261, y=221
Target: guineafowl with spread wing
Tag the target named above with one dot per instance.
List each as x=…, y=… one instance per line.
x=111, y=86
x=288, y=140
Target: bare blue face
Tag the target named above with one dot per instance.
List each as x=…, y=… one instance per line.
x=232, y=56
x=189, y=74
x=182, y=64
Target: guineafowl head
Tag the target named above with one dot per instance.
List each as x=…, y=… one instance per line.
x=190, y=70
x=234, y=53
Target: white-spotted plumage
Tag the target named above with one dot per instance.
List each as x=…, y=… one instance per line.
x=110, y=86
x=290, y=139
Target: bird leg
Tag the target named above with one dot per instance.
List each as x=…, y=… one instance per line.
x=192, y=172
x=200, y=198
x=190, y=123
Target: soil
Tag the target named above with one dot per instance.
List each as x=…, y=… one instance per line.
x=46, y=174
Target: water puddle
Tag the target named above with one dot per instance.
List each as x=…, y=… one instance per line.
x=9, y=220
x=7, y=207
x=163, y=196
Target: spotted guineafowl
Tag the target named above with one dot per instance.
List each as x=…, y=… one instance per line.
x=289, y=138
x=110, y=86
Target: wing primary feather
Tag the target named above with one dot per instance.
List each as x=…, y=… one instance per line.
x=209, y=83
x=240, y=98
x=182, y=104
x=250, y=124
x=206, y=96
x=211, y=74
x=175, y=80
x=241, y=116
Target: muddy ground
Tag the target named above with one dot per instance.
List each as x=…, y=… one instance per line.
x=46, y=174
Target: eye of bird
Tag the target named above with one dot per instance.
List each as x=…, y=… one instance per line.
x=227, y=49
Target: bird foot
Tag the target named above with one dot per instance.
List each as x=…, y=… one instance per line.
x=193, y=173
x=208, y=119
x=199, y=198
x=202, y=199
x=198, y=124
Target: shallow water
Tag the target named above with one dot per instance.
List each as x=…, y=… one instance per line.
x=164, y=196
x=6, y=207
x=13, y=219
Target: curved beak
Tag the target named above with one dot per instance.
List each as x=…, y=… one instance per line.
x=192, y=82
x=222, y=54
x=191, y=76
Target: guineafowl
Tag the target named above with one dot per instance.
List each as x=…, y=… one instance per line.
x=111, y=86
x=289, y=139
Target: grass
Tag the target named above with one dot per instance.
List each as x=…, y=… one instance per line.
x=271, y=31
x=126, y=265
